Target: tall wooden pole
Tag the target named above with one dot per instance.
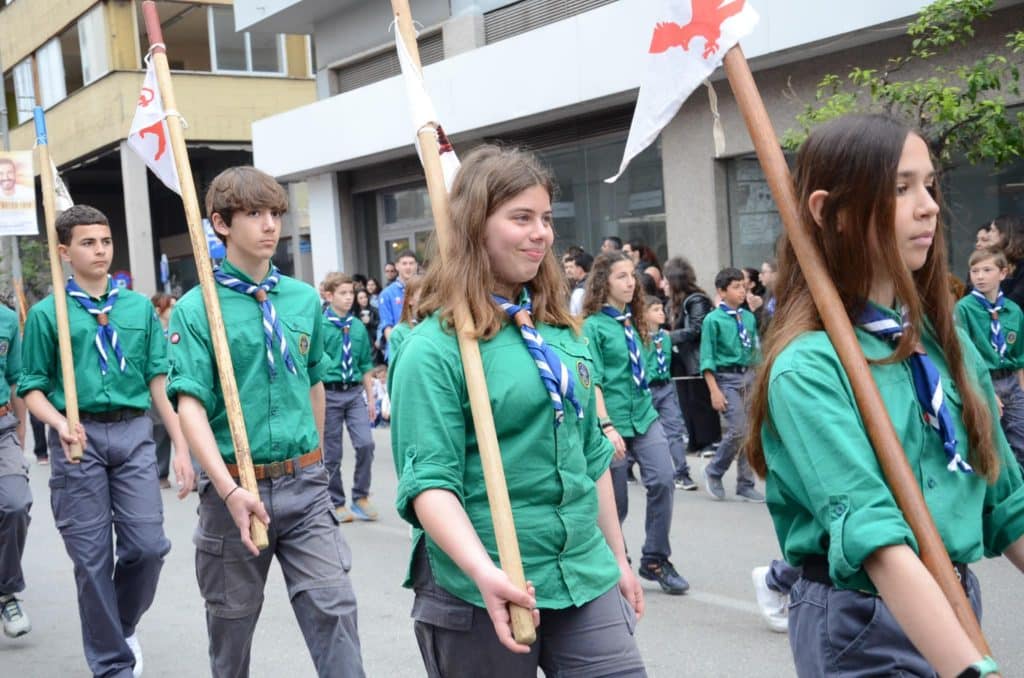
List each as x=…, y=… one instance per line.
x=225, y=369
x=476, y=385
x=60, y=300
x=883, y=436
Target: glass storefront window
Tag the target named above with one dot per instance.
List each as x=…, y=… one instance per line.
x=754, y=223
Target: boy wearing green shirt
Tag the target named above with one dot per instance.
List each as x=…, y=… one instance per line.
x=994, y=324
x=347, y=376
x=276, y=341
x=120, y=362
x=728, y=353
x=15, y=495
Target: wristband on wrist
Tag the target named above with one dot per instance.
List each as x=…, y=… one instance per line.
x=604, y=421
x=986, y=667
x=233, y=490
x=607, y=424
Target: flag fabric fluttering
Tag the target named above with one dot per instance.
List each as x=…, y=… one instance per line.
x=149, y=136
x=688, y=43
x=423, y=112
x=62, y=197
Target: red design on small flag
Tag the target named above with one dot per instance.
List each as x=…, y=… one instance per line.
x=706, y=23
x=148, y=135
x=157, y=130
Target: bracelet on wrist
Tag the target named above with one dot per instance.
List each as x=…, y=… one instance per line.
x=233, y=490
x=604, y=421
x=607, y=426
x=986, y=667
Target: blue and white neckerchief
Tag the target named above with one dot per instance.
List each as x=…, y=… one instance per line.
x=271, y=323
x=769, y=306
x=106, y=333
x=345, y=325
x=553, y=373
x=996, y=337
x=737, y=315
x=636, y=361
x=659, y=354
x=927, y=383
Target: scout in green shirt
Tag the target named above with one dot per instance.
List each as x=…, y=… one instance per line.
x=275, y=337
x=407, y=320
x=995, y=323
x=866, y=190
x=626, y=409
x=349, y=397
x=728, y=351
x=119, y=355
x=555, y=458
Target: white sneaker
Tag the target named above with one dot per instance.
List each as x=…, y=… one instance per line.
x=15, y=620
x=774, y=606
x=133, y=643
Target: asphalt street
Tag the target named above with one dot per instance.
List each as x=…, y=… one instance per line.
x=713, y=630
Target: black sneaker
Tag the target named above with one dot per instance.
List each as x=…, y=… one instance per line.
x=685, y=482
x=670, y=581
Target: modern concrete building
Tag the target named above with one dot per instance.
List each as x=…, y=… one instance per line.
x=561, y=77
x=82, y=60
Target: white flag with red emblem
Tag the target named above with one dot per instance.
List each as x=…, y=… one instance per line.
x=423, y=112
x=688, y=43
x=148, y=136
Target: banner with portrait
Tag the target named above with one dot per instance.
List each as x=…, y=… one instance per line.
x=17, y=194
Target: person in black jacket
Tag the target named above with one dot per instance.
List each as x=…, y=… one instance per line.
x=1008, y=235
x=687, y=306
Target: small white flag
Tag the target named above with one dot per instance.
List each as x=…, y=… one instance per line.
x=687, y=45
x=62, y=198
x=423, y=113
x=149, y=137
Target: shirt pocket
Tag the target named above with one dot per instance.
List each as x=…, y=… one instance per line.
x=576, y=357
x=132, y=337
x=299, y=332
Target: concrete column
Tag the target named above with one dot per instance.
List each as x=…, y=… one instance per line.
x=293, y=231
x=463, y=33
x=137, y=221
x=325, y=225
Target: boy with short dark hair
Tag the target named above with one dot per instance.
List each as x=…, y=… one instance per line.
x=390, y=302
x=348, y=367
x=657, y=366
x=276, y=342
x=729, y=350
x=994, y=324
x=120, y=359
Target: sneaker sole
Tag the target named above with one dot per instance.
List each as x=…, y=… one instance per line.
x=749, y=500
x=707, y=486
x=665, y=589
x=362, y=516
x=19, y=634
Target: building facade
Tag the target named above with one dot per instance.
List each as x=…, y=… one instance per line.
x=83, y=61
x=560, y=77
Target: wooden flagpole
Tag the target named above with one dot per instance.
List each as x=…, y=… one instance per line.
x=483, y=419
x=225, y=369
x=60, y=299
x=880, y=430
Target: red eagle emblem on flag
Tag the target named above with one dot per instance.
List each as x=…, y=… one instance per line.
x=706, y=22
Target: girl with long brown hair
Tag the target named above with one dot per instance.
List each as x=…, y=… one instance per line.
x=540, y=381
x=615, y=324
x=865, y=604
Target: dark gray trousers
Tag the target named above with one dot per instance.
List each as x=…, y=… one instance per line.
x=15, y=504
x=650, y=450
x=457, y=639
x=314, y=558
x=1009, y=392
x=346, y=408
x=112, y=491
x=848, y=634
x=734, y=387
x=666, y=402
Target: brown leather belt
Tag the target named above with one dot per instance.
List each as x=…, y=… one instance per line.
x=276, y=469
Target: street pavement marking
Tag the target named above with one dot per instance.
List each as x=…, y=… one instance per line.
x=723, y=601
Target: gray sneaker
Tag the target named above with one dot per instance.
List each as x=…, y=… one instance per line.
x=714, y=486
x=749, y=494
x=15, y=621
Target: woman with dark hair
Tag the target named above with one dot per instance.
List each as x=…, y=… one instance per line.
x=368, y=315
x=687, y=306
x=1008, y=235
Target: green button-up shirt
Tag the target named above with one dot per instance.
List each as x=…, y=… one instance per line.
x=977, y=322
x=398, y=335
x=630, y=408
x=720, y=344
x=278, y=414
x=10, y=351
x=651, y=368
x=138, y=332
x=825, y=489
x=550, y=471
x=362, y=358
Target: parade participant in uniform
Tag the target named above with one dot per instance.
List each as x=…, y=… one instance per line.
x=625, y=409
x=274, y=331
x=389, y=304
x=865, y=604
x=120, y=359
x=994, y=324
x=728, y=351
x=15, y=495
x=556, y=462
x=663, y=392
x=346, y=377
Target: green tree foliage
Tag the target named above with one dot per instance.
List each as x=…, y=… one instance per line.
x=961, y=109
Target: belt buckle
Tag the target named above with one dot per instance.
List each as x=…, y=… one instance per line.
x=276, y=469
